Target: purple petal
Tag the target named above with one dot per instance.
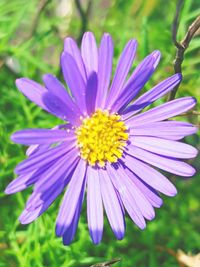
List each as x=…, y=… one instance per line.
x=71, y=198
x=163, y=112
x=150, y=176
x=32, y=90
x=152, y=95
x=147, y=190
x=57, y=89
x=74, y=80
x=89, y=52
x=58, y=171
x=39, y=148
x=69, y=234
x=124, y=187
x=140, y=199
x=91, y=92
x=165, y=147
x=112, y=205
x=123, y=67
x=41, y=136
x=29, y=216
x=36, y=93
x=44, y=187
x=71, y=48
x=136, y=82
x=94, y=205
x=25, y=180
x=20, y=183
x=164, y=163
x=173, y=130
x=35, y=148
x=104, y=69
x=54, y=86
x=39, y=160
x=57, y=107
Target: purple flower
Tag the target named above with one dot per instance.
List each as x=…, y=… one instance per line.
x=105, y=146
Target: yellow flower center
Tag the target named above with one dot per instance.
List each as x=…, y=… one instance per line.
x=102, y=137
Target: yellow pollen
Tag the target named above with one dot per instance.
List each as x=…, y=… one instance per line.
x=101, y=138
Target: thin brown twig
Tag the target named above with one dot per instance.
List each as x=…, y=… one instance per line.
x=107, y=263
x=182, y=45
x=175, y=23
x=84, y=14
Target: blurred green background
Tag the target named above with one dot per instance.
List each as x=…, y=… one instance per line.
x=31, y=40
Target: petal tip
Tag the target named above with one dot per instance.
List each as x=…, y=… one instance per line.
x=180, y=76
x=173, y=192
x=8, y=191
x=19, y=82
x=96, y=241
x=119, y=234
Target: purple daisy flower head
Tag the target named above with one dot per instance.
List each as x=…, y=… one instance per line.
x=106, y=147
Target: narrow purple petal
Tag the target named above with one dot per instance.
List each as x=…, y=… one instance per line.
x=91, y=92
x=112, y=205
x=57, y=89
x=123, y=67
x=25, y=180
x=94, y=205
x=150, y=176
x=35, y=148
x=140, y=199
x=69, y=234
x=120, y=202
x=152, y=95
x=71, y=198
x=57, y=107
x=53, y=85
x=168, y=148
x=44, y=187
x=136, y=82
x=58, y=171
x=89, y=52
x=104, y=69
x=151, y=194
x=43, y=158
x=163, y=112
x=32, y=90
x=124, y=187
x=37, y=93
x=173, y=130
x=164, y=163
x=71, y=48
x=29, y=216
x=39, y=148
x=20, y=183
x=41, y=136
x=74, y=80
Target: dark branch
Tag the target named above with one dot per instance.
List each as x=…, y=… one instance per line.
x=175, y=23
x=182, y=45
x=84, y=14
x=107, y=263
x=191, y=32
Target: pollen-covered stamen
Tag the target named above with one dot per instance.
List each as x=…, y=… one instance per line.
x=101, y=138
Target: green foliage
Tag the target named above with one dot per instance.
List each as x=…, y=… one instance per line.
x=29, y=52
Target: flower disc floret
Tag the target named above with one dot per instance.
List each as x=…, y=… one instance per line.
x=102, y=137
